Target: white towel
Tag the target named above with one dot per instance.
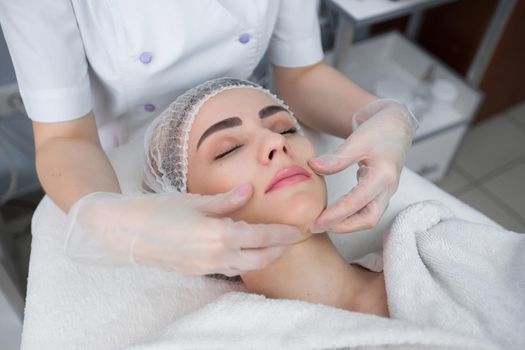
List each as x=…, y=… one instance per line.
x=456, y=275
x=249, y=321
x=450, y=283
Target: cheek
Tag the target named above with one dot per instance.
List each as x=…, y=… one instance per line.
x=302, y=149
x=215, y=177
x=210, y=179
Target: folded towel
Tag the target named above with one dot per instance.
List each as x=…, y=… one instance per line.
x=248, y=321
x=456, y=275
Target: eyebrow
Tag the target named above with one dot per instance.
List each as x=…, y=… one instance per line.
x=236, y=121
x=271, y=110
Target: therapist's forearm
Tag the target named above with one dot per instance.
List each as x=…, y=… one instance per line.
x=71, y=165
x=322, y=97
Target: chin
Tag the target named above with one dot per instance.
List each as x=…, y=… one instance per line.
x=299, y=209
x=297, y=205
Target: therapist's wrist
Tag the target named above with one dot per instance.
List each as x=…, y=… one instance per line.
x=385, y=107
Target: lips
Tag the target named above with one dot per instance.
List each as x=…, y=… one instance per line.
x=287, y=176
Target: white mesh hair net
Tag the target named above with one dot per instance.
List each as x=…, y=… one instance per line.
x=166, y=139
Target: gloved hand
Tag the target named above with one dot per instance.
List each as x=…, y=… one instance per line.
x=381, y=137
x=176, y=231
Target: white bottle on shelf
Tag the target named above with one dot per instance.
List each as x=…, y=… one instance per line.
x=421, y=97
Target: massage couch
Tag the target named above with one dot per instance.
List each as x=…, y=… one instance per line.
x=73, y=305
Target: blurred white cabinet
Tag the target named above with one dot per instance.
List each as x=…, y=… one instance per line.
x=431, y=157
x=392, y=58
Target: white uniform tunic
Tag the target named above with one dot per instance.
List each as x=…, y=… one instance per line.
x=128, y=59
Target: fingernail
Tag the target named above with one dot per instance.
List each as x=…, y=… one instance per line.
x=326, y=161
x=240, y=193
x=316, y=229
x=317, y=162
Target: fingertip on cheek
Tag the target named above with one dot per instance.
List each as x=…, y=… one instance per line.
x=316, y=227
x=315, y=163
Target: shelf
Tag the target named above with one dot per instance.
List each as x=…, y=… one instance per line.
x=393, y=57
x=365, y=12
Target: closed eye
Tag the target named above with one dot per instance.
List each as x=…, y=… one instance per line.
x=289, y=131
x=222, y=155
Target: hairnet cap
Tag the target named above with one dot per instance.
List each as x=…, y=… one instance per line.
x=166, y=139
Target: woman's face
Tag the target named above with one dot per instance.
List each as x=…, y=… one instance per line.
x=242, y=136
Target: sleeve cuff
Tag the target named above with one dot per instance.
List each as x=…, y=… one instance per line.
x=299, y=53
x=58, y=105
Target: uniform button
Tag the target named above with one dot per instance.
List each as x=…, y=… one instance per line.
x=148, y=107
x=244, y=38
x=145, y=57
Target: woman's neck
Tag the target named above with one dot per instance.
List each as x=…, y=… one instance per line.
x=313, y=270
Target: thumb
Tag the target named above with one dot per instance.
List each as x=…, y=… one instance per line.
x=225, y=203
x=345, y=155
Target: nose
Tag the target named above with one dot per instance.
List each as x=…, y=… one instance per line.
x=273, y=146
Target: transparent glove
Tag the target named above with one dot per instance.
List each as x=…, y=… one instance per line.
x=176, y=231
x=381, y=137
